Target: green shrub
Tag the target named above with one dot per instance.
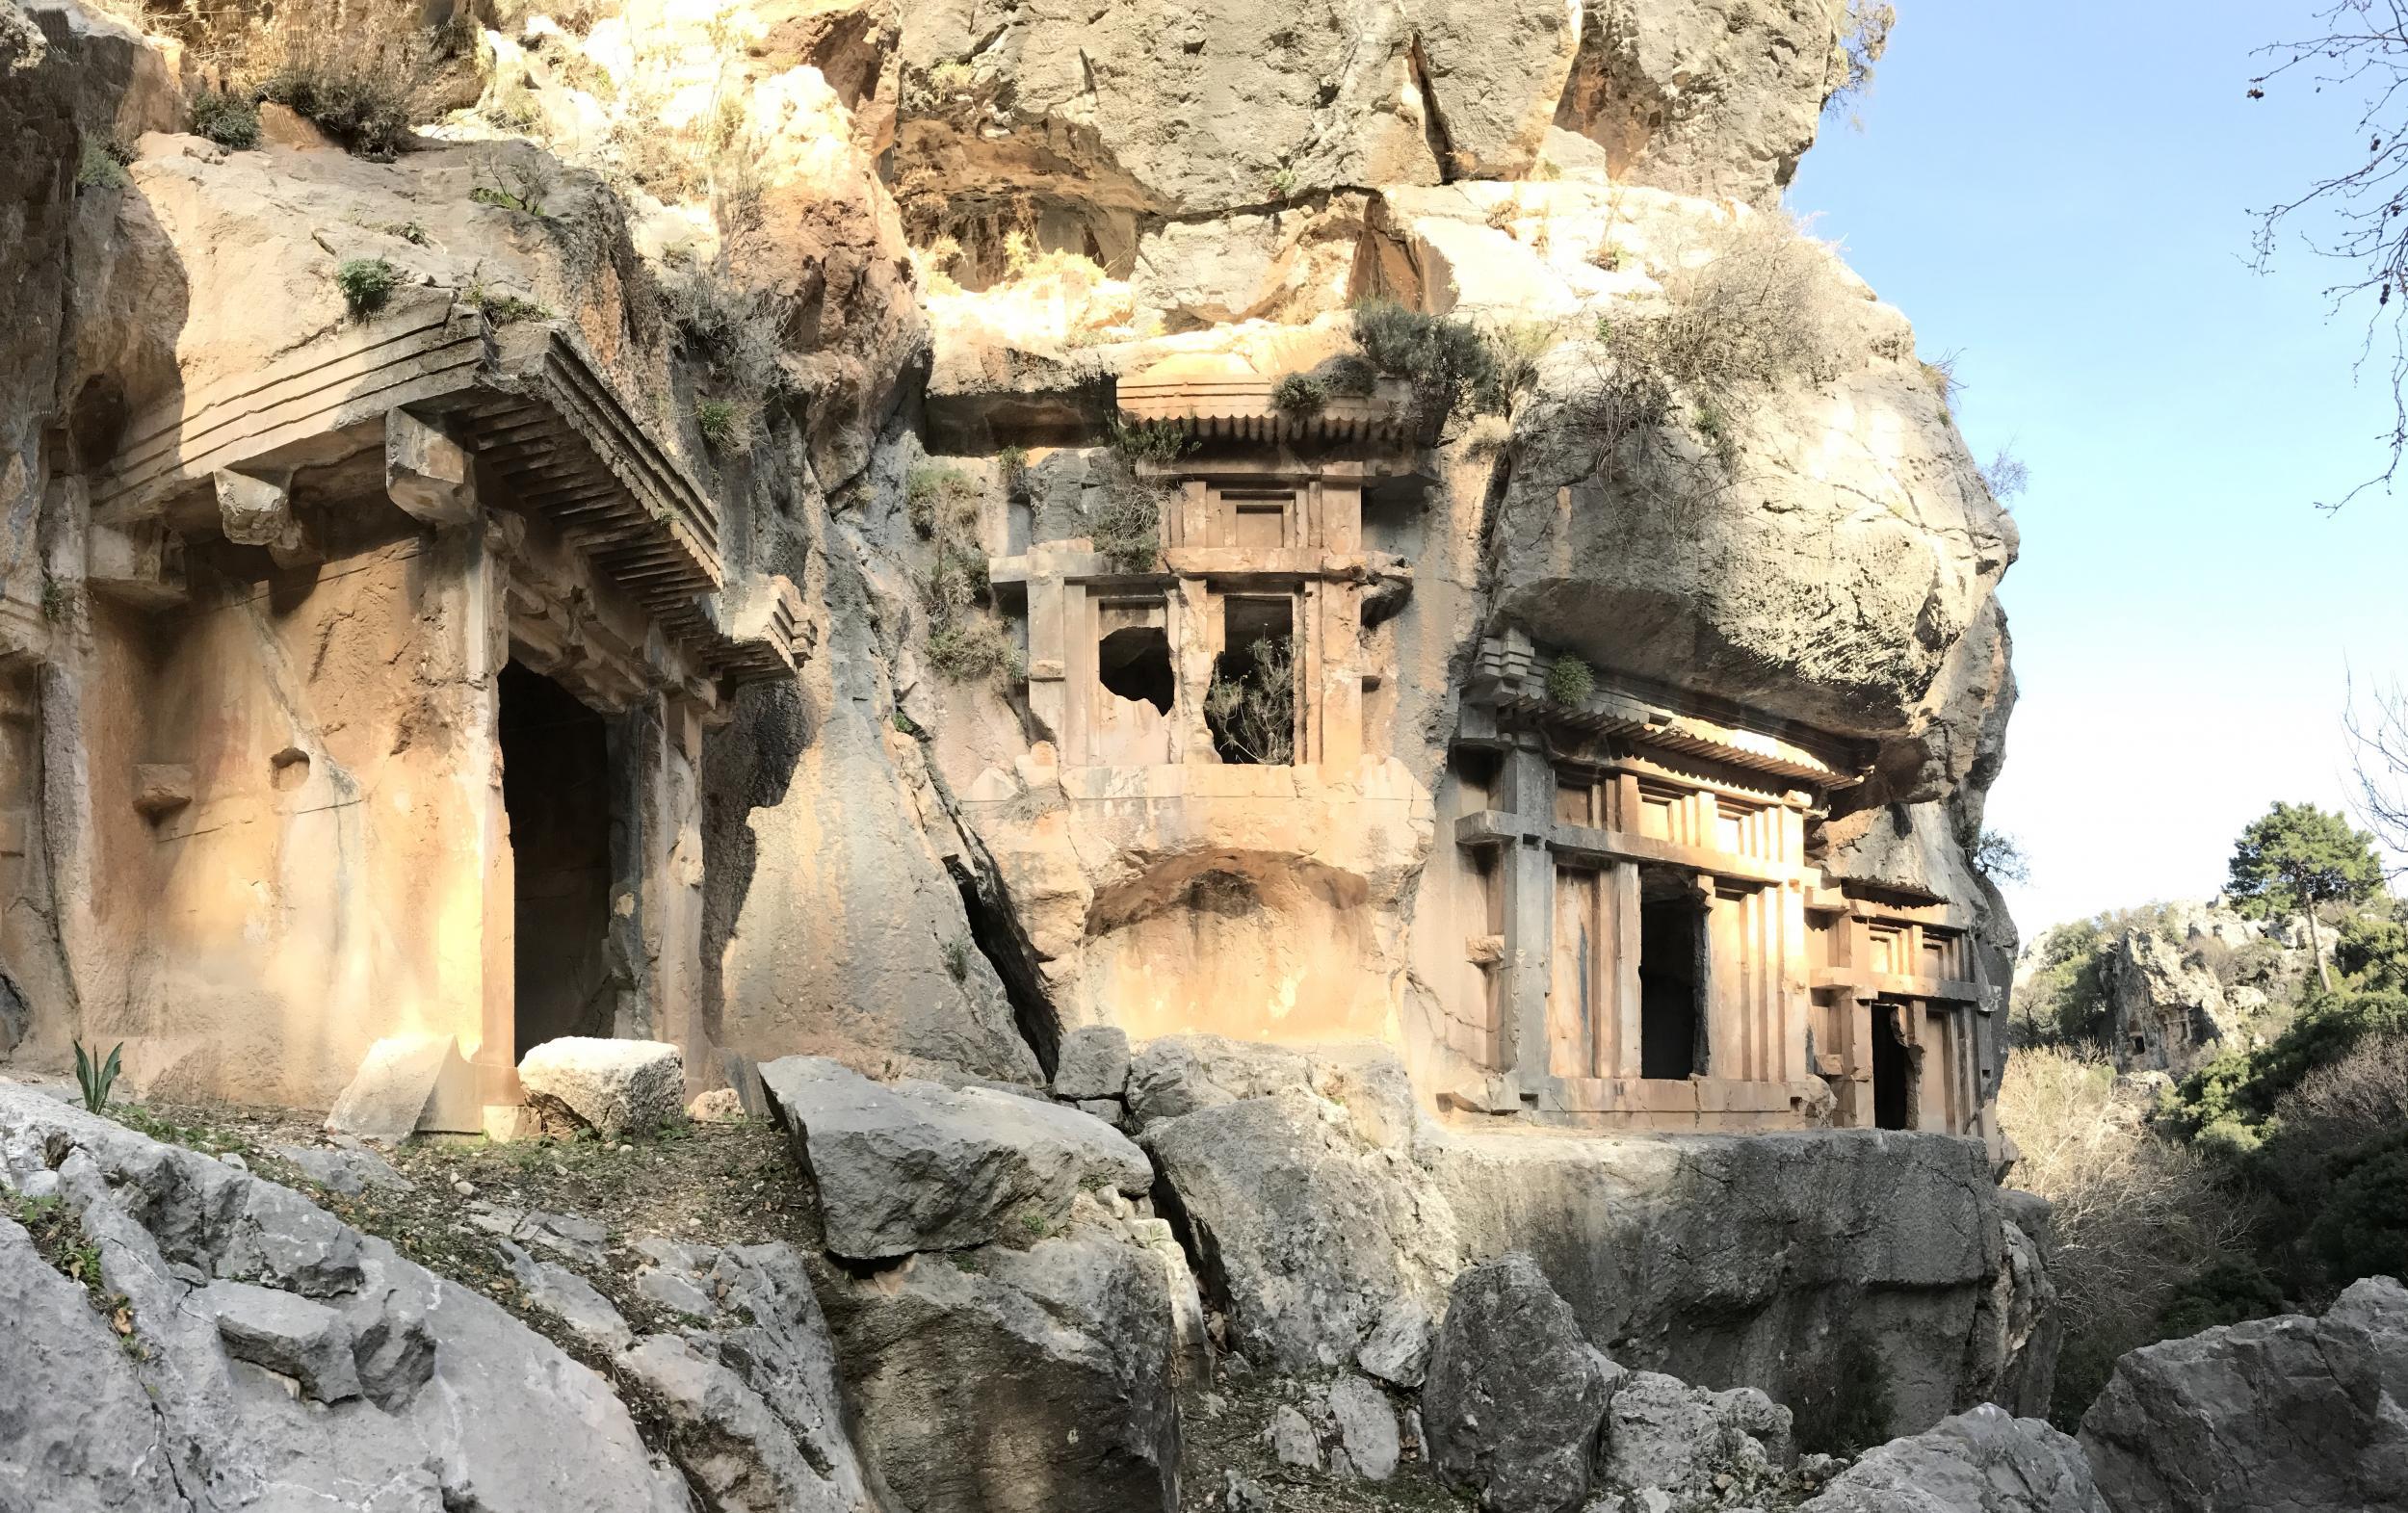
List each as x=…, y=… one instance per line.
x=227, y=120
x=2231, y=1098
x=102, y=167
x=2230, y=1291
x=737, y=330
x=957, y=958
x=1252, y=712
x=1448, y=363
x=974, y=646
x=356, y=101
x=937, y=496
x=2361, y=1228
x=1299, y=395
x=367, y=284
x=726, y=425
x=1570, y=681
x=1126, y=528
x=1155, y=442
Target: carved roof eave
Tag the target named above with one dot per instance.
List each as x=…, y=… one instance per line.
x=540, y=415
x=1509, y=681
x=1239, y=409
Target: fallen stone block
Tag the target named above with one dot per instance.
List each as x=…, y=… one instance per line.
x=916, y=1166
x=408, y=1084
x=613, y=1088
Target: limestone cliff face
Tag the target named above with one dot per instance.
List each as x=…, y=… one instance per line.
x=921, y=430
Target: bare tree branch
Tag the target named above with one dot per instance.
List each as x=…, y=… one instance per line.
x=2379, y=739
x=2356, y=218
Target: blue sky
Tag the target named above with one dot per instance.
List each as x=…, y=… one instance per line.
x=2061, y=192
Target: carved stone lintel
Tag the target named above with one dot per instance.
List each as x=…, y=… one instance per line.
x=428, y=474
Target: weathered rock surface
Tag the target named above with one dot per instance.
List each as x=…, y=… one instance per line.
x=755, y=1396
x=1003, y=1380
x=459, y=1405
x=1983, y=1461
x=1514, y=1395
x=1319, y=1219
x=1310, y=1231
x=2292, y=1414
x=613, y=1088
x=915, y=1166
x=1094, y=1063
x=1663, y=1435
x=1103, y=122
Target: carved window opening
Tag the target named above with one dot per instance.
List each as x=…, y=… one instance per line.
x=1134, y=662
x=1892, y=1103
x=1251, y=706
x=1672, y=976
x=555, y=791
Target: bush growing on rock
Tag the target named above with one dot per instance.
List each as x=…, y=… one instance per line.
x=367, y=284
x=1447, y=362
x=227, y=120
x=1570, y=681
x=1299, y=394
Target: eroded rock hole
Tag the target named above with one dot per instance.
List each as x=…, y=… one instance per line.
x=1134, y=662
x=555, y=789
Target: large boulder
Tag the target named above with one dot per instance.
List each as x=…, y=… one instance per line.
x=611, y=1087
x=755, y=1397
x=249, y=1312
x=1516, y=1396
x=1663, y=1435
x=1003, y=1380
x=1310, y=1231
x=1816, y=1248
x=917, y=1166
x=1984, y=1461
x=2292, y=1414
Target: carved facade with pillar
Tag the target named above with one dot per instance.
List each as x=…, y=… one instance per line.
x=1659, y=948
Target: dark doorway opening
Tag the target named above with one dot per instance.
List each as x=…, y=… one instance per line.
x=555, y=789
x=1134, y=662
x=1890, y=1066
x=1250, y=708
x=1672, y=976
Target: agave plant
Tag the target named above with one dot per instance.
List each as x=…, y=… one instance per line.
x=95, y=1079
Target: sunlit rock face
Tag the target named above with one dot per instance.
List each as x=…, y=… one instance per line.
x=874, y=532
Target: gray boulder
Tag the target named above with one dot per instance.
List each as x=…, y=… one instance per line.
x=82, y=1436
x=613, y=1088
x=1366, y=1427
x=756, y=1408
x=1665, y=1435
x=1398, y=1351
x=1094, y=1063
x=1017, y=1381
x=1311, y=1233
x=1515, y=1395
x=1985, y=1461
x=344, y=1170
x=449, y=1403
x=916, y=1166
x=2292, y=1414
x=291, y=1336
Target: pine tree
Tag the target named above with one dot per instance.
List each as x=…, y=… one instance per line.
x=2297, y=858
